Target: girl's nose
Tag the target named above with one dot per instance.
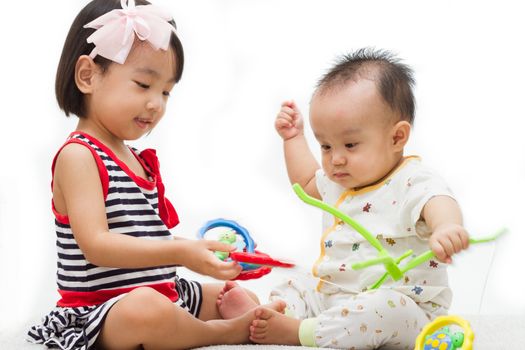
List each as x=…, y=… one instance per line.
x=155, y=104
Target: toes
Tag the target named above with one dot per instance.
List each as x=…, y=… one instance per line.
x=281, y=306
x=259, y=326
x=219, y=298
x=278, y=305
x=262, y=313
x=257, y=333
x=228, y=285
x=256, y=338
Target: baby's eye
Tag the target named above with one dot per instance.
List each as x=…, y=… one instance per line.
x=166, y=93
x=325, y=147
x=142, y=85
x=350, y=145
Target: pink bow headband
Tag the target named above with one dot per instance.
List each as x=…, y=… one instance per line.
x=116, y=30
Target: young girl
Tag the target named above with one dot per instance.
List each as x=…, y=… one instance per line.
x=116, y=257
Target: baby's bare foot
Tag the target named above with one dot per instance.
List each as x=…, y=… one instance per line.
x=238, y=329
x=271, y=326
x=233, y=301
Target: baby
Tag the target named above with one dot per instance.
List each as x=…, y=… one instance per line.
x=361, y=114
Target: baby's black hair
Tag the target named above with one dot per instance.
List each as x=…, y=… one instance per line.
x=70, y=98
x=394, y=79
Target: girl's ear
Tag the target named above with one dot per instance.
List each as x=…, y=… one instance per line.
x=400, y=135
x=85, y=70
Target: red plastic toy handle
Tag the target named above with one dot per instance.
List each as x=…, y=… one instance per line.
x=258, y=258
x=252, y=274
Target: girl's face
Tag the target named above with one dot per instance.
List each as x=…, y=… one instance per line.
x=129, y=100
x=354, y=129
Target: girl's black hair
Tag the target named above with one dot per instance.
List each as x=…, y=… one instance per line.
x=70, y=98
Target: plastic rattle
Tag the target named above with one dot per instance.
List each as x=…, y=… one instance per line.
x=383, y=257
x=254, y=263
x=436, y=335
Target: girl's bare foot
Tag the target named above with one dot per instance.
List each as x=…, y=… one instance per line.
x=234, y=301
x=271, y=326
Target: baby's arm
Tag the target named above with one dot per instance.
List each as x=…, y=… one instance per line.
x=300, y=162
x=443, y=216
x=77, y=192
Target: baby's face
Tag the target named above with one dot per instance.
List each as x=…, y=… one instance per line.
x=354, y=126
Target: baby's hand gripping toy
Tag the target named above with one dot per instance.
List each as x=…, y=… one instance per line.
x=383, y=257
x=254, y=263
x=437, y=336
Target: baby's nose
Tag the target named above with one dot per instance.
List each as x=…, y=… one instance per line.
x=338, y=159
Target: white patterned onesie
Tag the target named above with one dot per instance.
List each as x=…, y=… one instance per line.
x=336, y=308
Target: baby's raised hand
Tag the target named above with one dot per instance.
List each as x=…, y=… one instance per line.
x=199, y=258
x=447, y=240
x=289, y=121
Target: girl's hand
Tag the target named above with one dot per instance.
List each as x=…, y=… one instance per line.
x=289, y=122
x=447, y=240
x=199, y=257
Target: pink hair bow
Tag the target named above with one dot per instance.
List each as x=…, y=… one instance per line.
x=116, y=30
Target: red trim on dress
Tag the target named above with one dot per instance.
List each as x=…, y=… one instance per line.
x=149, y=161
x=76, y=299
x=166, y=210
x=102, y=171
x=146, y=184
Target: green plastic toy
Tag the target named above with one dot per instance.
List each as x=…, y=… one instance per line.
x=436, y=335
x=391, y=264
x=228, y=237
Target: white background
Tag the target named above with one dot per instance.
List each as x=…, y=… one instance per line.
x=219, y=153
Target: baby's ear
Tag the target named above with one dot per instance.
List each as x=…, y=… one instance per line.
x=85, y=70
x=400, y=134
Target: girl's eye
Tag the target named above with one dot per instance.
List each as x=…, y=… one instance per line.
x=142, y=85
x=325, y=147
x=166, y=93
x=350, y=145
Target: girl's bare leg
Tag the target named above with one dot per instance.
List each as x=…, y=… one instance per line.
x=147, y=319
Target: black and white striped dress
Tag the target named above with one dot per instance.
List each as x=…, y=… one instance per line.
x=135, y=207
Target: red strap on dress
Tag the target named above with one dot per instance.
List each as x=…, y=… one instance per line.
x=166, y=210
